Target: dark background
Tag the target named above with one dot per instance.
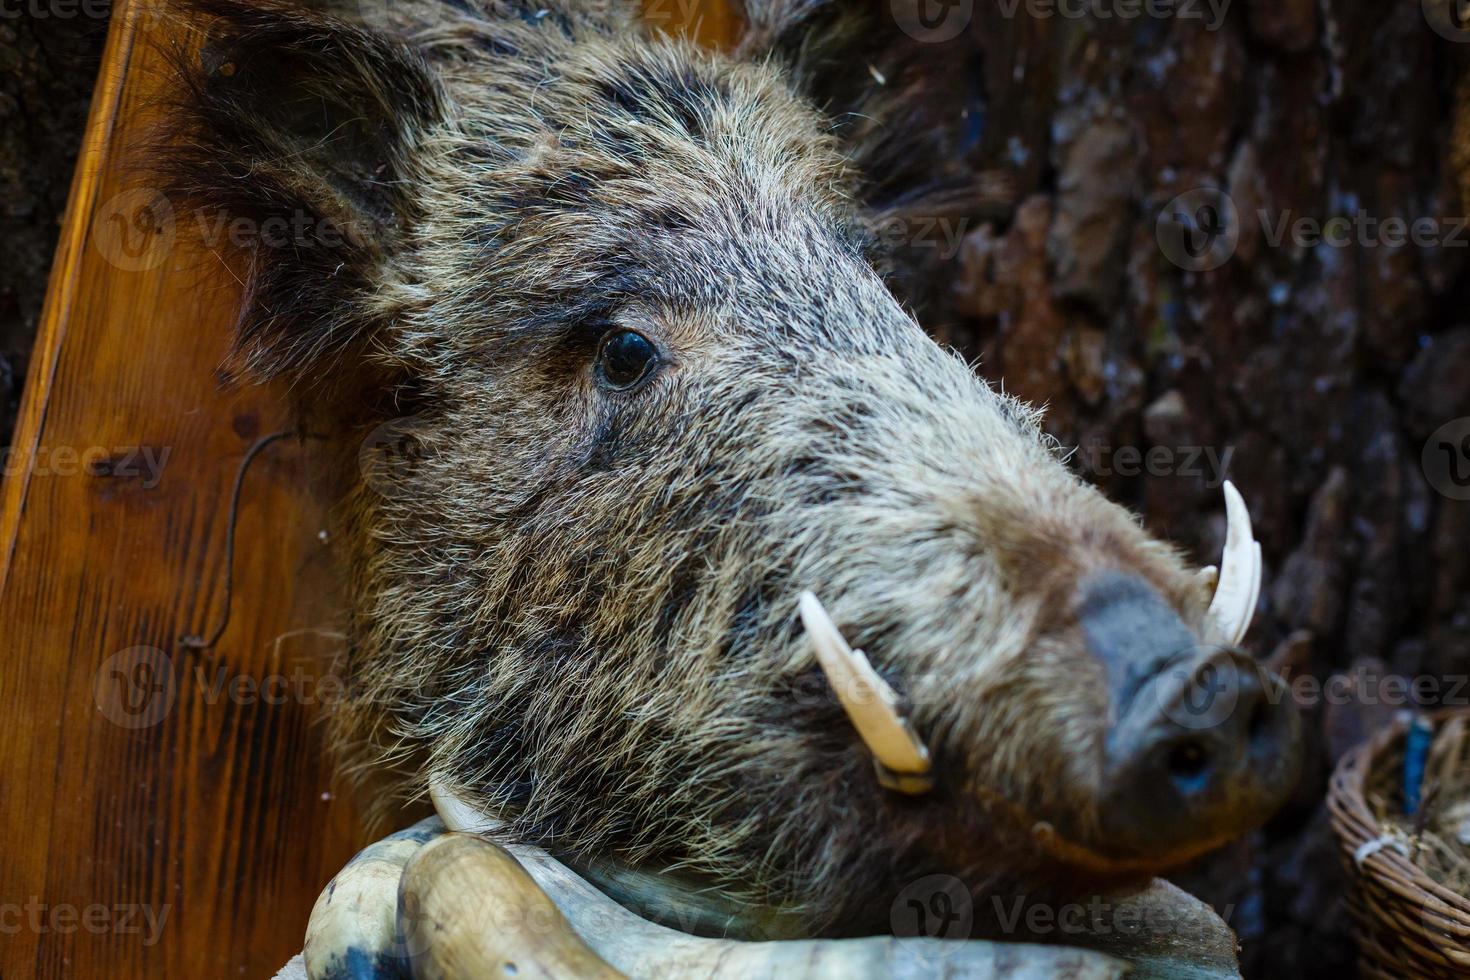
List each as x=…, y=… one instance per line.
x=47, y=67
x=1322, y=371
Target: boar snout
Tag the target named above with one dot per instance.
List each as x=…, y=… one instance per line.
x=1201, y=744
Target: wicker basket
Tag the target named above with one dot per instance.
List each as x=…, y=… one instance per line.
x=1408, y=925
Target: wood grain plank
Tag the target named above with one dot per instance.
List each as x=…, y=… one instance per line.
x=158, y=822
x=216, y=818
x=714, y=23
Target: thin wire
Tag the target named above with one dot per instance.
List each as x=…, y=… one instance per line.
x=194, y=641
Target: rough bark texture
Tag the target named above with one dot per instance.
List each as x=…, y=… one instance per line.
x=1324, y=369
x=48, y=62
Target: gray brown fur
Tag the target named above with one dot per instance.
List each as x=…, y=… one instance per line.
x=582, y=603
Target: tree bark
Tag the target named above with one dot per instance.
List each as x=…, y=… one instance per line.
x=48, y=62
x=1313, y=375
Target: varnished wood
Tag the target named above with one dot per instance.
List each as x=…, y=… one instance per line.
x=218, y=817
x=714, y=23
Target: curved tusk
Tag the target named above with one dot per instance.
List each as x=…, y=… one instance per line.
x=458, y=814
x=1206, y=579
x=901, y=758
x=1240, y=572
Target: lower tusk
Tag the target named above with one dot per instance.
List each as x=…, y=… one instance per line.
x=1240, y=572
x=901, y=758
x=1206, y=579
x=458, y=813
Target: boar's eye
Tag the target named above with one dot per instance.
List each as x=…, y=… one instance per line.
x=625, y=358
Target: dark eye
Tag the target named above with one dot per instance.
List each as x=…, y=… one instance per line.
x=625, y=358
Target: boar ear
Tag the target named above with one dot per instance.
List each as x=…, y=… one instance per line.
x=907, y=101
x=296, y=144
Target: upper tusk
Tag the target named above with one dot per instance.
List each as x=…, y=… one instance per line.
x=1240, y=572
x=901, y=757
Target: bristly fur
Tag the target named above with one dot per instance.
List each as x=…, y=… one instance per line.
x=580, y=603
x=298, y=118
x=909, y=114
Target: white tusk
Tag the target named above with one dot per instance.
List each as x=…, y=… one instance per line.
x=1240, y=572
x=457, y=814
x=1206, y=579
x=872, y=706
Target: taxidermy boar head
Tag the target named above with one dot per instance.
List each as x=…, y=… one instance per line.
x=621, y=292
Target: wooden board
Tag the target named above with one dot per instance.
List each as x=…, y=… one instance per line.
x=714, y=23
x=165, y=812
x=158, y=821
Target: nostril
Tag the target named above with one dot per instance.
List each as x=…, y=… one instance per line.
x=1189, y=766
x=1182, y=775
